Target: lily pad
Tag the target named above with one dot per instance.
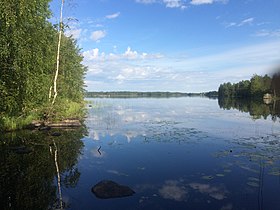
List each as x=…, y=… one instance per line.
x=274, y=173
x=253, y=179
x=253, y=184
x=207, y=177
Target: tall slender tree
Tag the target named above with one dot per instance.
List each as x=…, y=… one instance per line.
x=58, y=54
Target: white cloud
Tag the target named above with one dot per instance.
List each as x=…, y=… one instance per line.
x=268, y=33
x=180, y=3
x=91, y=54
x=134, y=70
x=130, y=54
x=113, y=16
x=200, y=2
x=146, y=1
x=231, y=24
x=97, y=35
x=174, y=4
x=247, y=21
x=75, y=33
x=168, y=3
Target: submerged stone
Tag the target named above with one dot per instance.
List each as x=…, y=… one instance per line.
x=56, y=134
x=108, y=189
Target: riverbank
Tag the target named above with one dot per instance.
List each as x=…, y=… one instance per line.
x=68, y=114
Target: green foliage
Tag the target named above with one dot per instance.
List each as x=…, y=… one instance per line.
x=275, y=85
x=64, y=109
x=260, y=85
x=10, y=123
x=28, y=44
x=255, y=88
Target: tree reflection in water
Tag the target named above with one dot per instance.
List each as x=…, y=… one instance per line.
x=256, y=108
x=30, y=161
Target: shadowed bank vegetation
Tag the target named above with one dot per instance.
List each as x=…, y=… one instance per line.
x=28, y=50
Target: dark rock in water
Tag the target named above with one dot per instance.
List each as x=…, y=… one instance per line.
x=21, y=150
x=108, y=189
x=56, y=134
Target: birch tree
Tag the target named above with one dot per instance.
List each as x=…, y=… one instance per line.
x=58, y=55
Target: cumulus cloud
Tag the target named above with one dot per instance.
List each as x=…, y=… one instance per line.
x=75, y=33
x=132, y=54
x=135, y=70
x=174, y=4
x=113, y=16
x=129, y=54
x=91, y=54
x=98, y=35
x=135, y=73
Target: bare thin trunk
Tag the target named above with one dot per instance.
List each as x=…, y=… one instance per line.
x=50, y=93
x=58, y=54
x=58, y=177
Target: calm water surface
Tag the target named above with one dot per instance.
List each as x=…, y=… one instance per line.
x=177, y=153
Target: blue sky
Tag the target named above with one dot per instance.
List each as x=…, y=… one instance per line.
x=173, y=45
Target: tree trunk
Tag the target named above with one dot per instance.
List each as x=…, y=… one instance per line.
x=58, y=54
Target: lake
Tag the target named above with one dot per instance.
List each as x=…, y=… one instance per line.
x=175, y=153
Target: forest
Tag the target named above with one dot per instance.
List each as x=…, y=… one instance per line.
x=255, y=88
x=134, y=94
x=28, y=60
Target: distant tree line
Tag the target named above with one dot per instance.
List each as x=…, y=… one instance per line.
x=256, y=87
x=133, y=94
x=28, y=46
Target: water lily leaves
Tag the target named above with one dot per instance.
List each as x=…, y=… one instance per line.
x=207, y=177
x=274, y=173
x=253, y=184
x=227, y=170
x=253, y=179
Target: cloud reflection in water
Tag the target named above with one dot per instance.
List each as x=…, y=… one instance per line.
x=174, y=191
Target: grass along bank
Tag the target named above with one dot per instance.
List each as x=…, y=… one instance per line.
x=61, y=111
